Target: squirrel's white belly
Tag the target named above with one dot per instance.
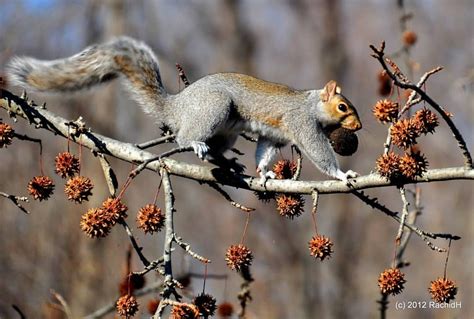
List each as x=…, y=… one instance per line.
x=262, y=129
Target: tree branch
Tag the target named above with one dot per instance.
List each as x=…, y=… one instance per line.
x=403, y=83
x=130, y=153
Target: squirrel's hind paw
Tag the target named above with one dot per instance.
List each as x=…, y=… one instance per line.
x=200, y=148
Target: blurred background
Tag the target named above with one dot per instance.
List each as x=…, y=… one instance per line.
x=302, y=43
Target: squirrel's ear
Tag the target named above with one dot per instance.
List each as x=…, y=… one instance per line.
x=330, y=89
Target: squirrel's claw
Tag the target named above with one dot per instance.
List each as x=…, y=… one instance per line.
x=200, y=148
x=264, y=176
x=345, y=176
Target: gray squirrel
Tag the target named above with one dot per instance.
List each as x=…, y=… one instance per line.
x=212, y=112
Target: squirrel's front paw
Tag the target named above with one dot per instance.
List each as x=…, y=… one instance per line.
x=351, y=174
x=345, y=176
x=265, y=175
x=200, y=148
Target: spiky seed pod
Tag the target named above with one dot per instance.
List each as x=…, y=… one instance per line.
x=114, y=210
x=265, y=196
x=391, y=281
x=284, y=169
x=443, y=290
x=206, y=304
x=385, y=83
x=409, y=37
x=152, y=305
x=184, y=311
x=150, y=218
x=238, y=257
x=6, y=134
x=78, y=189
x=388, y=165
x=127, y=306
x=404, y=133
x=386, y=111
x=94, y=223
x=320, y=247
x=425, y=121
x=413, y=164
x=41, y=187
x=344, y=141
x=225, y=309
x=290, y=205
x=67, y=165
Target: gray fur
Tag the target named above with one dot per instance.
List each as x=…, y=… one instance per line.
x=208, y=115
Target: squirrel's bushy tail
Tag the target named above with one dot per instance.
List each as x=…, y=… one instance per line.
x=94, y=65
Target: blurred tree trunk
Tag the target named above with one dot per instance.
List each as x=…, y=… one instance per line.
x=334, y=60
x=236, y=40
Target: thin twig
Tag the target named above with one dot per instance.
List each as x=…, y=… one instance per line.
x=404, y=215
x=134, y=243
x=209, y=276
x=18, y=310
x=299, y=163
x=151, y=266
x=383, y=302
x=157, y=141
x=144, y=165
x=229, y=199
x=373, y=202
x=182, y=75
x=168, y=284
x=405, y=84
x=187, y=248
x=16, y=199
x=99, y=313
x=64, y=305
x=109, y=174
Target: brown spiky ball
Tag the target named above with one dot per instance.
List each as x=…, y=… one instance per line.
x=95, y=224
x=290, y=205
x=78, y=189
x=284, y=169
x=391, y=281
x=184, y=311
x=404, y=133
x=114, y=210
x=320, y=247
x=413, y=164
x=265, y=196
x=6, y=134
x=238, y=257
x=386, y=111
x=388, y=165
x=443, y=290
x=206, y=304
x=150, y=218
x=67, y=165
x=425, y=121
x=41, y=187
x=127, y=306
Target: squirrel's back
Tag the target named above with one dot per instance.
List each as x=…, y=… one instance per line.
x=95, y=65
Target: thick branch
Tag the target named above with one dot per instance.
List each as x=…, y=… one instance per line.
x=130, y=153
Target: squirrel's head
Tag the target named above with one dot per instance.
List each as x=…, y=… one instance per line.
x=339, y=110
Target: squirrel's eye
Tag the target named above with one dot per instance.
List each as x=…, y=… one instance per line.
x=342, y=107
